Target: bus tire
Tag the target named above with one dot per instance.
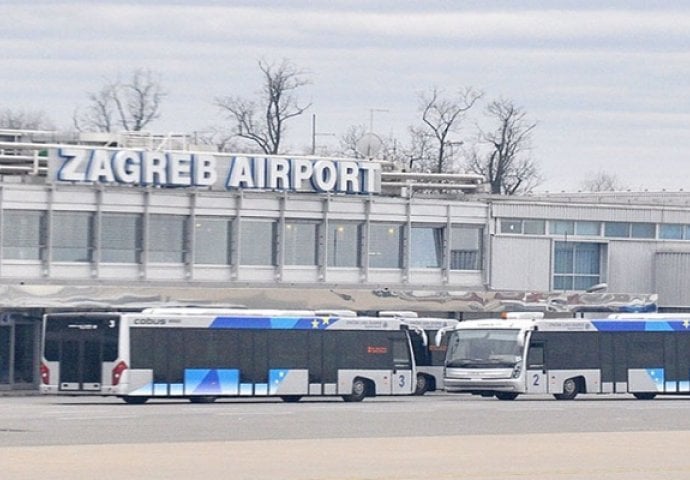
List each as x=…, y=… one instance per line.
x=202, y=399
x=506, y=395
x=132, y=400
x=422, y=385
x=644, y=395
x=290, y=398
x=359, y=391
x=571, y=388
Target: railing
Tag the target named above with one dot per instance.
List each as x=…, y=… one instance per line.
x=407, y=183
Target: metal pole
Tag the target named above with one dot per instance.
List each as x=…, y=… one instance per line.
x=313, y=134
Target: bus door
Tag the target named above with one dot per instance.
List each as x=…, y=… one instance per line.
x=81, y=345
x=402, y=381
x=80, y=365
x=535, y=375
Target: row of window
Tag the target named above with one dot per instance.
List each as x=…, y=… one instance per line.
x=642, y=230
x=127, y=238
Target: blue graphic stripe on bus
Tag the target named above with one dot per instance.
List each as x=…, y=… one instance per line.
x=274, y=323
x=275, y=378
x=211, y=381
x=641, y=325
x=657, y=376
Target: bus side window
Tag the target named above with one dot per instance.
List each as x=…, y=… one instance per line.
x=535, y=356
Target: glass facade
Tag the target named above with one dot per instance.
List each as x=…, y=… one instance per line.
x=588, y=228
x=344, y=240
x=72, y=236
x=534, y=227
x=643, y=230
x=257, y=242
x=19, y=342
x=670, y=231
x=301, y=241
x=121, y=240
x=511, y=225
x=466, y=248
x=426, y=247
x=385, y=245
x=577, y=265
x=166, y=242
x=617, y=229
x=5, y=349
x=23, y=234
x=121, y=237
x=560, y=227
x=212, y=240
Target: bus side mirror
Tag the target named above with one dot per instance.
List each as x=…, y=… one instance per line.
x=439, y=337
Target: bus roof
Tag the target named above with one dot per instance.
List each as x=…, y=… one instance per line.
x=430, y=323
x=262, y=319
x=639, y=323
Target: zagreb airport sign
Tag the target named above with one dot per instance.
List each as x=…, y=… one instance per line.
x=216, y=171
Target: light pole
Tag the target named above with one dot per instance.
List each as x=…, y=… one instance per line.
x=314, y=133
x=451, y=148
x=371, y=117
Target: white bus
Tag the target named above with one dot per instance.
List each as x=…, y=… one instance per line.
x=202, y=354
x=429, y=357
x=636, y=354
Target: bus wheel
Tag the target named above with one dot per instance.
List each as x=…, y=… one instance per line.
x=359, y=391
x=422, y=384
x=644, y=395
x=570, y=390
x=506, y=395
x=134, y=400
x=202, y=399
x=291, y=398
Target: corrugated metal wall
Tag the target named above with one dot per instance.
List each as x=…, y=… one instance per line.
x=672, y=275
x=521, y=263
x=631, y=266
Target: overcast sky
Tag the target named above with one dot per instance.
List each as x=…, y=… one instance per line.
x=608, y=85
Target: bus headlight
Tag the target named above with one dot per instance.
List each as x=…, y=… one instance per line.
x=516, y=370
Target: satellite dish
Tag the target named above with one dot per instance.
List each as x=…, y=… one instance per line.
x=369, y=145
x=598, y=288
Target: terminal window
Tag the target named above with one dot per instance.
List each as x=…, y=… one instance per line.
x=22, y=234
x=344, y=244
x=577, y=265
x=212, y=240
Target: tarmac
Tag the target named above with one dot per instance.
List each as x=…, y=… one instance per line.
x=571, y=456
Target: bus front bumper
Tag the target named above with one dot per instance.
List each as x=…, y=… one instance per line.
x=495, y=380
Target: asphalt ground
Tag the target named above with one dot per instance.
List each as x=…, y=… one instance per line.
x=435, y=437
x=581, y=456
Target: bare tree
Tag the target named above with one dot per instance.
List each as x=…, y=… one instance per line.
x=421, y=155
x=348, y=141
x=263, y=121
x=130, y=105
x=501, y=155
x=24, y=120
x=220, y=139
x=602, y=181
x=98, y=114
x=441, y=116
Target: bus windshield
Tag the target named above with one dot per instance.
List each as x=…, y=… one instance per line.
x=483, y=348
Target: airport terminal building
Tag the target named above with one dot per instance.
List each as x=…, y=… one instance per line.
x=129, y=222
